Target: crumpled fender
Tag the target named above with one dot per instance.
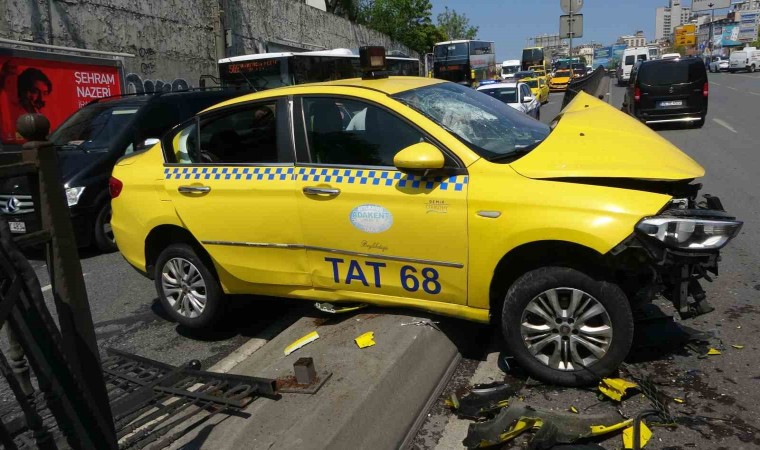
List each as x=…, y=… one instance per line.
x=554, y=427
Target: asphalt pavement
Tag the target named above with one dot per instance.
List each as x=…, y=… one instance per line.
x=720, y=400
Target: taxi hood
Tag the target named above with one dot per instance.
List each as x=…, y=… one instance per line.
x=594, y=140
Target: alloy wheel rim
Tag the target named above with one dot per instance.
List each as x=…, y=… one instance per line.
x=184, y=287
x=566, y=329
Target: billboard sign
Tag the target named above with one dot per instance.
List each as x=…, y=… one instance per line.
x=617, y=52
x=730, y=36
x=55, y=88
x=602, y=57
x=706, y=5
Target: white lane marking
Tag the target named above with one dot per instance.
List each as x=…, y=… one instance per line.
x=755, y=93
x=712, y=82
x=724, y=124
x=747, y=76
x=732, y=88
x=48, y=287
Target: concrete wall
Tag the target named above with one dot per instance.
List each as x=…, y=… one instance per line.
x=174, y=40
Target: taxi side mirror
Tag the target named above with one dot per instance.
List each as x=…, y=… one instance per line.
x=419, y=157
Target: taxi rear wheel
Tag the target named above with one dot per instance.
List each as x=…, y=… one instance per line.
x=187, y=289
x=564, y=327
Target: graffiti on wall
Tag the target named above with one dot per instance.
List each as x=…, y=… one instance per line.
x=135, y=84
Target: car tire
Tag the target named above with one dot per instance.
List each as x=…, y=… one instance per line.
x=521, y=321
x=196, y=299
x=103, y=234
x=752, y=68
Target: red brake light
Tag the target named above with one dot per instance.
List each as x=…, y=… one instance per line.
x=637, y=94
x=705, y=89
x=114, y=187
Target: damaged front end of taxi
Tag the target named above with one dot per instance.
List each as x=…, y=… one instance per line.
x=674, y=252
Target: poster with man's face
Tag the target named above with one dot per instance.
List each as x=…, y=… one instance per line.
x=55, y=89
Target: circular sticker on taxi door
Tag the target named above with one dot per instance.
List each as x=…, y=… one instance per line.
x=371, y=218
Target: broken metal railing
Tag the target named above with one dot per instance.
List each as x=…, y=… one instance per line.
x=66, y=397
x=65, y=360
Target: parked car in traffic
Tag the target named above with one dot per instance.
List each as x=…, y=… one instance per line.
x=524, y=74
x=667, y=91
x=443, y=199
x=517, y=95
x=539, y=87
x=89, y=143
x=747, y=59
x=718, y=64
x=560, y=80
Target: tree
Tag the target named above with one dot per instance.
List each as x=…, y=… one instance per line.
x=406, y=21
x=456, y=26
x=756, y=42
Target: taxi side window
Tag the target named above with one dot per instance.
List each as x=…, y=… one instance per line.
x=242, y=136
x=349, y=132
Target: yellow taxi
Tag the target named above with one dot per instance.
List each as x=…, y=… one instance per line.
x=420, y=193
x=538, y=87
x=560, y=80
x=540, y=71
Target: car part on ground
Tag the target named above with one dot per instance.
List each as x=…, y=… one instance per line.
x=552, y=427
x=482, y=401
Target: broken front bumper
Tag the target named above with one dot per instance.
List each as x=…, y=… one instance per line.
x=679, y=248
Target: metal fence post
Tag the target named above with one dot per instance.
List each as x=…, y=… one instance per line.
x=69, y=292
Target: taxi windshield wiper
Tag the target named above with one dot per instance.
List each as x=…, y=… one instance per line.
x=520, y=150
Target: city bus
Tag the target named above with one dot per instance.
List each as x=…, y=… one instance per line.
x=270, y=70
x=534, y=56
x=465, y=61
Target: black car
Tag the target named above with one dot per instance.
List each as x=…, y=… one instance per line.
x=90, y=142
x=668, y=90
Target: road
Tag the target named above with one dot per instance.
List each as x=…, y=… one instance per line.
x=720, y=408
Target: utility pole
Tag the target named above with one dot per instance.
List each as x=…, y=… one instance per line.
x=712, y=24
x=570, y=51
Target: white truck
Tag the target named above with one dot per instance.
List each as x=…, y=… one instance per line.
x=509, y=68
x=631, y=56
x=747, y=59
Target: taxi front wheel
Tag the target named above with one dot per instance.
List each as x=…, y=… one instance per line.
x=188, y=290
x=565, y=327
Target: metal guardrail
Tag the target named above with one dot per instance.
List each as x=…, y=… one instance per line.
x=596, y=83
x=69, y=399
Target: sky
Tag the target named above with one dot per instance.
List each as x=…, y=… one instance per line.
x=510, y=22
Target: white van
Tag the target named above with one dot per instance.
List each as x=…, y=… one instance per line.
x=747, y=59
x=630, y=57
x=509, y=68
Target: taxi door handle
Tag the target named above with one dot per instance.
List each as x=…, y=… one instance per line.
x=310, y=190
x=193, y=189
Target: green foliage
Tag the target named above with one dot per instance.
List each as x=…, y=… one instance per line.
x=456, y=26
x=406, y=21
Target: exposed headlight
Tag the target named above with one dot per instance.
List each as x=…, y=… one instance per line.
x=690, y=233
x=73, y=194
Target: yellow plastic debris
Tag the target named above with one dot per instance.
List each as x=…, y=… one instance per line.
x=574, y=409
x=678, y=400
x=737, y=346
x=615, y=388
x=311, y=337
x=713, y=352
x=597, y=430
x=366, y=339
x=645, y=434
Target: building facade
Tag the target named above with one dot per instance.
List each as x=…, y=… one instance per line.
x=634, y=40
x=667, y=18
